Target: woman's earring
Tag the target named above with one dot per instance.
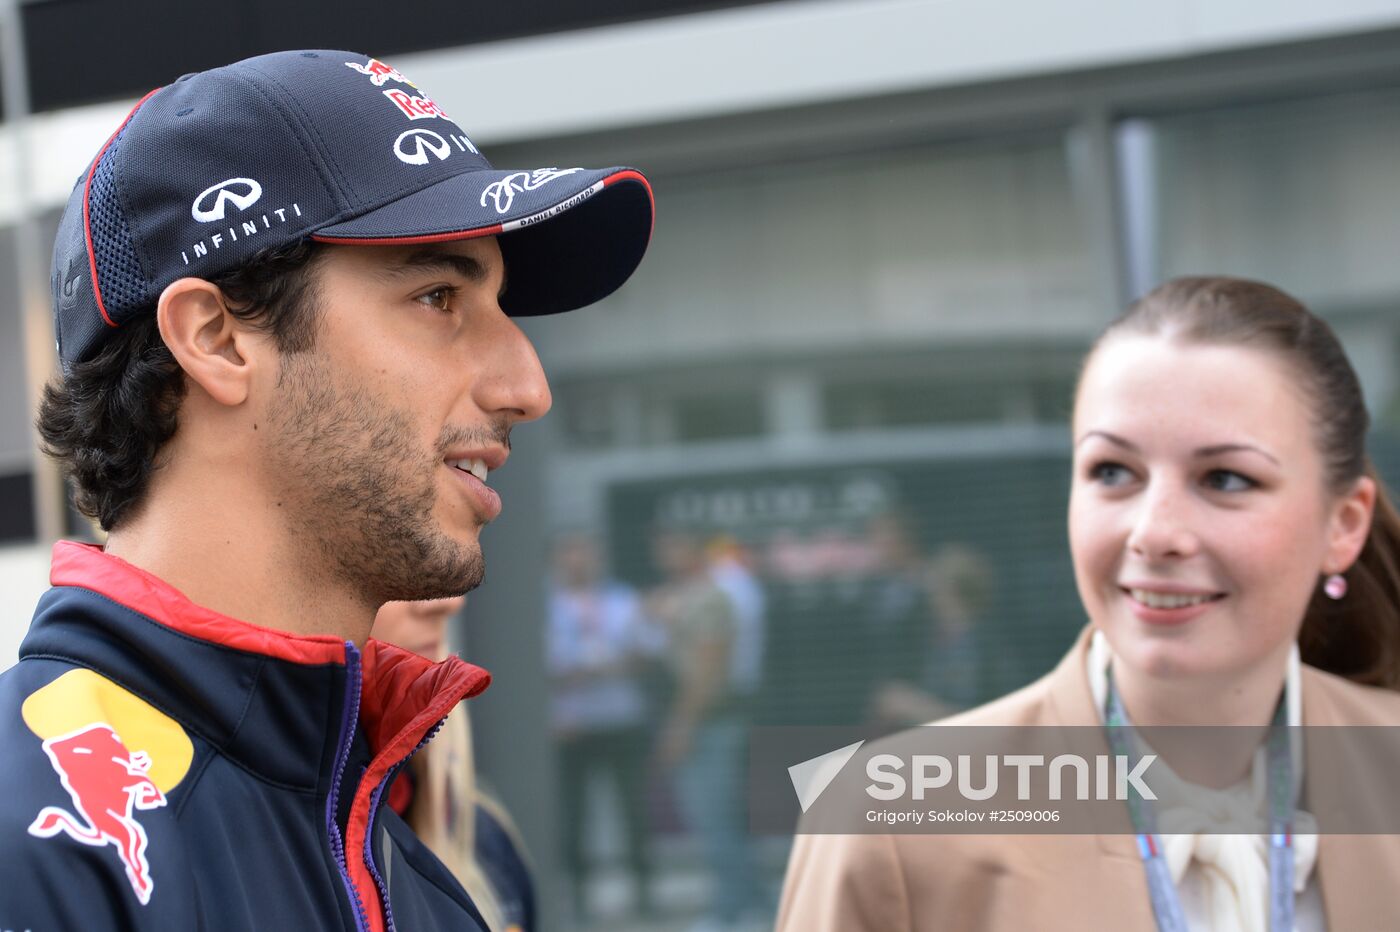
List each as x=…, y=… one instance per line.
x=1335, y=586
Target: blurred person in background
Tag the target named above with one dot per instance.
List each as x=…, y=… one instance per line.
x=703, y=737
x=731, y=567
x=951, y=666
x=599, y=645
x=1237, y=560
x=438, y=795
x=891, y=613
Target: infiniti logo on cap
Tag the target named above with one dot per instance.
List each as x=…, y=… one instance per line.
x=69, y=289
x=206, y=211
x=413, y=146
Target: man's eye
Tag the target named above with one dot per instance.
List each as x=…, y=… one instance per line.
x=440, y=298
x=1225, y=480
x=1110, y=474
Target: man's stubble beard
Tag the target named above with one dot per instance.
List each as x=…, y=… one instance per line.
x=358, y=491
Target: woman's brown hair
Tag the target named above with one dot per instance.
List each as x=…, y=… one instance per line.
x=1357, y=637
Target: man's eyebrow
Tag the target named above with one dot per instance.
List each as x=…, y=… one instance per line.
x=1219, y=448
x=437, y=260
x=1111, y=438
x=468, y=267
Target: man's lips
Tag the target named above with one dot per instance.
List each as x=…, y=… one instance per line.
x=494, y=457
x=487, y=500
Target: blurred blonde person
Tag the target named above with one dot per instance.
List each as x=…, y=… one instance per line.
x=468, y=830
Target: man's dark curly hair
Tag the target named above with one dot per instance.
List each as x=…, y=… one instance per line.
x=106, y=420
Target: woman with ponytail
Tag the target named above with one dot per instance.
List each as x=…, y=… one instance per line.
x=1239, y=563
x=1356, y=636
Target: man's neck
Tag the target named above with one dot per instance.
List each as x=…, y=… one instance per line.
x=238, y=557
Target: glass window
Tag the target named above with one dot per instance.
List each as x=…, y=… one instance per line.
x=1298, y=193
x=968, y=240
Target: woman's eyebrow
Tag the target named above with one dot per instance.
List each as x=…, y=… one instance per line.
x=1111, y=438
x=1219, y=448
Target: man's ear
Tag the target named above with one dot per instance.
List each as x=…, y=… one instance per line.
x=208, y=341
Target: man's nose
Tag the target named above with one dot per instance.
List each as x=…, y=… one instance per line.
x=513, y=383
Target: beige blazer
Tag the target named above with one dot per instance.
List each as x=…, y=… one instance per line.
x=902, y=883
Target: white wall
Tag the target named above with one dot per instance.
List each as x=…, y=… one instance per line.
x=787, y=54
x=768, y=56
x=24, y=576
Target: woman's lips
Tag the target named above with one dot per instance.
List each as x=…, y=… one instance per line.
x=1161, y=606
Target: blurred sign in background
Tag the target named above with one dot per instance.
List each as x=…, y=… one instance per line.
x=886, y=232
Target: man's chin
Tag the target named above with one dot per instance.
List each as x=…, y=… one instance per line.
x=462, y=578
x=471, y=569
x=444, y=570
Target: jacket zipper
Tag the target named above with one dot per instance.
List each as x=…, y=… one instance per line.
x=374, y=807
x=468, y=681
x=349, y=716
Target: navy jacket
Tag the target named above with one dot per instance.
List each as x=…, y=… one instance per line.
x=170, y=768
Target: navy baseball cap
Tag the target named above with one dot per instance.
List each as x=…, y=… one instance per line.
x=335, y=146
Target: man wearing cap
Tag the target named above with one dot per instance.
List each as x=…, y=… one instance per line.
x=284, y=293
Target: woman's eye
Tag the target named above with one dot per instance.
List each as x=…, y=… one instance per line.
x=440, y=298
x=1225, y=480
x=1110, y=474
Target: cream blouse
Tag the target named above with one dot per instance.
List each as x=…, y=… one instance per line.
x=1223, y=880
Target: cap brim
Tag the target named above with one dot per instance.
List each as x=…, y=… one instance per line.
x=572, y=239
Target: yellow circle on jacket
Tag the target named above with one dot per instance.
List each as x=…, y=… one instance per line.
x=80, y=699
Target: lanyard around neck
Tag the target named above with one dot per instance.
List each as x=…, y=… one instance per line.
x=1166, y=903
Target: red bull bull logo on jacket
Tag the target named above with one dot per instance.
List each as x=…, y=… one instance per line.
x=115, y=755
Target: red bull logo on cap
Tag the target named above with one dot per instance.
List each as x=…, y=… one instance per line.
x=379, y=73
x=115, y=755
x=415, y=108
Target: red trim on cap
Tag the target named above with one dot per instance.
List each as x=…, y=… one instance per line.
x=410, y=240
x=87, y=223
x=637, y=176
x=87, y=566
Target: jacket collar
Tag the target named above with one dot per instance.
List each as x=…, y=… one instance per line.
x=89, y=567
x=271, y=700
x=1346, y=781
